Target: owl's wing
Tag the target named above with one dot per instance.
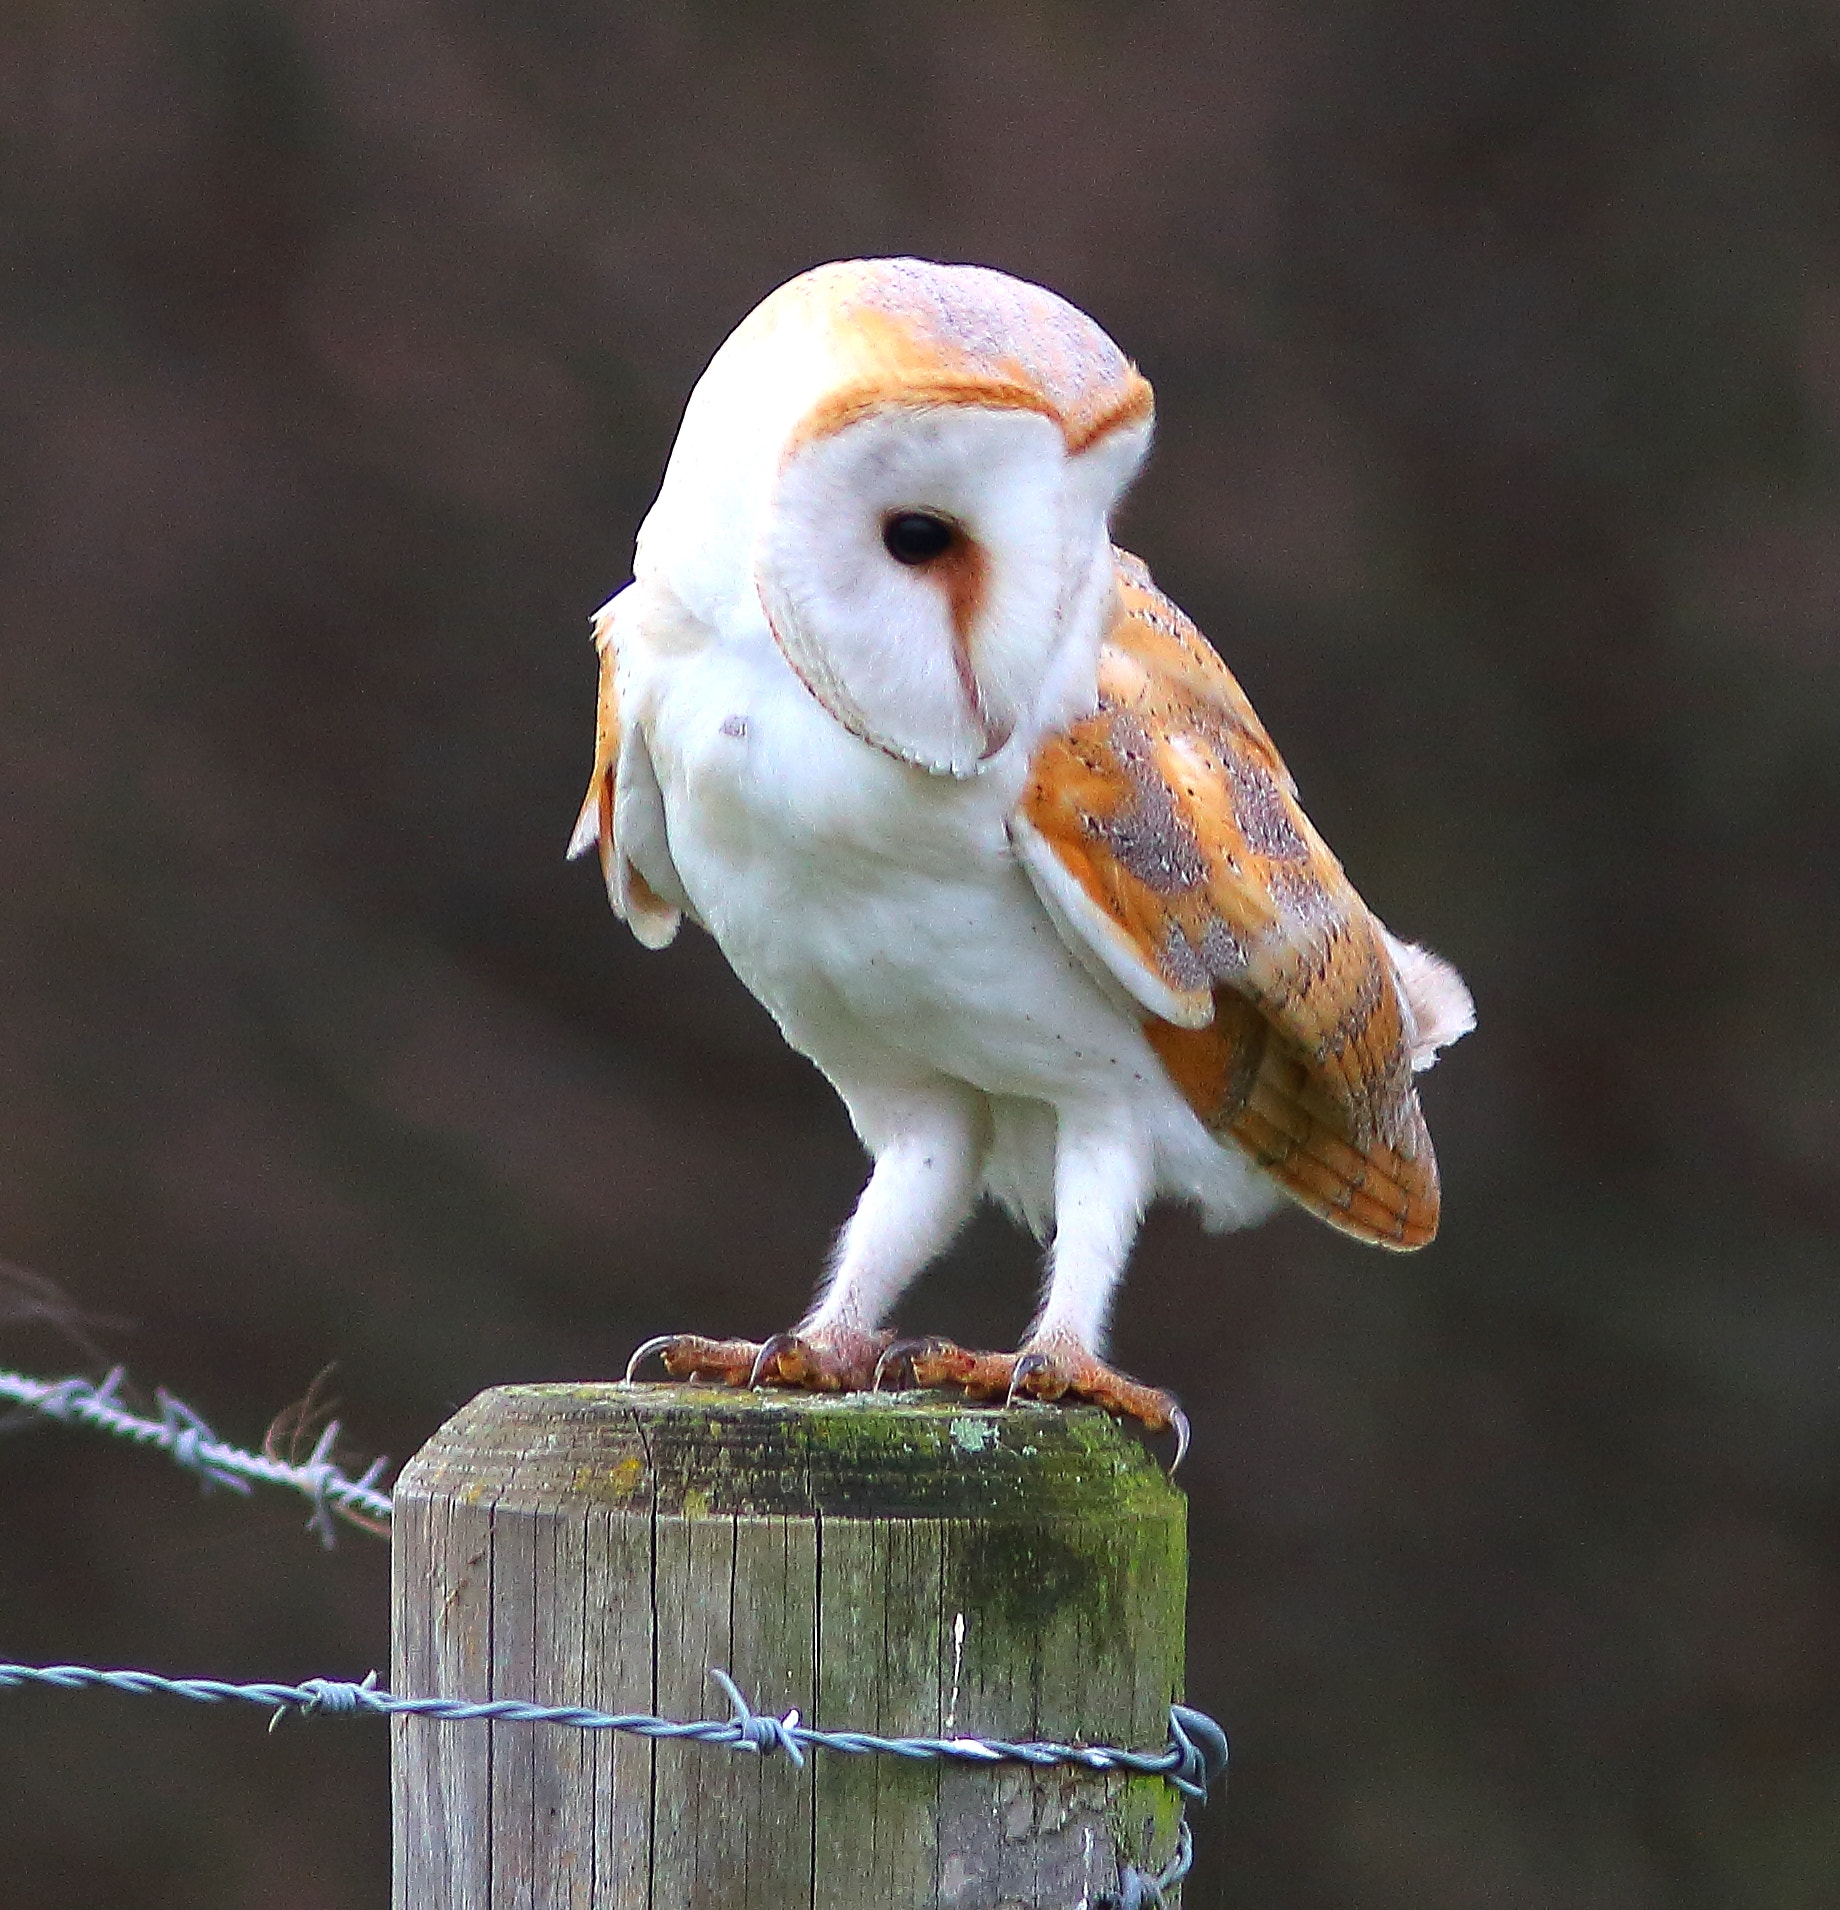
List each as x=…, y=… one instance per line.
x=1164, y=835
x=623, y=814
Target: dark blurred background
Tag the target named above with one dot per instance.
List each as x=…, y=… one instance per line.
x=1498, y=351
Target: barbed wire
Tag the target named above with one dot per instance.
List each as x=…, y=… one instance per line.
x=1193, y=1758
x=189, y=1442
x=1136, y=1891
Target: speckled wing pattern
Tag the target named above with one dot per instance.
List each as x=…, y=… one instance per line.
x=1165, y=831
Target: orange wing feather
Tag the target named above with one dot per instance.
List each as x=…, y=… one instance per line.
x=1172, y=812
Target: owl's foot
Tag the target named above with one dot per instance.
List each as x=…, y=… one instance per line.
x=1057, y=1372
x=834, y=1362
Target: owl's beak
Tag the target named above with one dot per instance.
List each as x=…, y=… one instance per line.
x=997, y=728
x=971, y=740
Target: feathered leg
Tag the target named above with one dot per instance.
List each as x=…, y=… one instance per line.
x=1103, y=1180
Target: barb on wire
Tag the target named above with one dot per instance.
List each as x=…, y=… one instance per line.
x=1140, y=1891
x=192, y=1444
x=1193, y=1759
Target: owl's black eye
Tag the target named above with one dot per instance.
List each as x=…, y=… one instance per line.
x=917, y=537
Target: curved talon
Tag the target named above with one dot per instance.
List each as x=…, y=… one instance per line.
x=1026, y=1364
x=769, y=1354
x=656, y=1344
x=899, y=1352
x=1179, y=1420
x=1026, y=1367
x=691, y=1356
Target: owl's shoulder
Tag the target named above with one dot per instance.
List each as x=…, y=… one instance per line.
x=1156, y=663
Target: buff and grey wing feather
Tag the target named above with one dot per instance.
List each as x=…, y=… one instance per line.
x=1165, y=838
x=622, y=815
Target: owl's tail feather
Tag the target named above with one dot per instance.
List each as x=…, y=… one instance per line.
x=1248, y=1085
x=1380, y=1191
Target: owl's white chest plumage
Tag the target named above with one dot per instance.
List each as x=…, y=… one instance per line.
x=879, y=912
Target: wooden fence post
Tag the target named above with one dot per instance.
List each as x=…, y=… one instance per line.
x=896, y=1564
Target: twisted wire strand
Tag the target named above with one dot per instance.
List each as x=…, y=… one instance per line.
x=1138, y=1890
x=190, y=1442
x=1193, y=1758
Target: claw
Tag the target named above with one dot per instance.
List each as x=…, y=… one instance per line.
x=924, y=1351
x=656, y=1344
x=691, y=1356
x=1030, y=1366
x=893, y=1355
x=785, y=1360
x=770, y=1350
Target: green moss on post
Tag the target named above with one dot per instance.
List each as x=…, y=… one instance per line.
x=905, y=1565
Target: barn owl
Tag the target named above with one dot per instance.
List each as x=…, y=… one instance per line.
x=980, y=817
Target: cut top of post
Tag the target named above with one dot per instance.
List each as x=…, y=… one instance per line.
x=699, y=1450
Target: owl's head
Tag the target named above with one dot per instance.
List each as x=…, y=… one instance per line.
x=908, y=468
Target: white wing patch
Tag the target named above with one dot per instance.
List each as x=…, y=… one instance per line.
x=651, y=897
x=1097, y=939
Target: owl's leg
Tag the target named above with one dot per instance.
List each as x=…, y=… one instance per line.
x=921, y=1193
x=1103, y=1180
x=928, y=1166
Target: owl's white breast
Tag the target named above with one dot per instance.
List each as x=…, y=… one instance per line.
x=876, y=910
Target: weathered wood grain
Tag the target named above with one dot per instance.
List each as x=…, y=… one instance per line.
x=889, y=1563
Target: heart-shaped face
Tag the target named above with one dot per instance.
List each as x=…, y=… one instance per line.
x=911, y=467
